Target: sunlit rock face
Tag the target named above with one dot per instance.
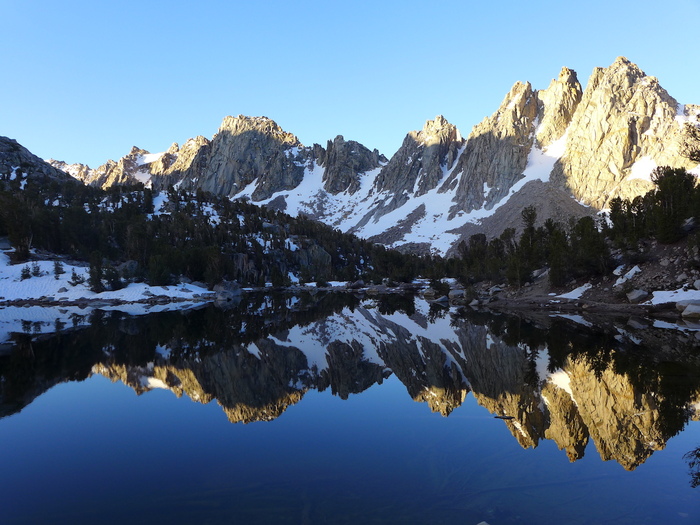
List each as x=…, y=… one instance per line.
x=496, y=152
x=625, y=118
x=556, y=107
x=497, y=149
x=246, y=149
x=565, y=428
x=130, y=169
x=622, y=420
x=177, y=162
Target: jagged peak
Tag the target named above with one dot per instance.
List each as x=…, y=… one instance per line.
x=241, y=124
x=136, y=151
x=195, y=142
x=568, y=76
x=518, y=96
x=621, y=72
x=437, y=131
x=519, y=89
x=623, y=64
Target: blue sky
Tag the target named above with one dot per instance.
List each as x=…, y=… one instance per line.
x=83, y=81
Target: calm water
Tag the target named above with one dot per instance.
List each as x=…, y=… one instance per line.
x=332, y=409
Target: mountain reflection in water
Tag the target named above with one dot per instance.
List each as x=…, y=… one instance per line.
x=625, y=385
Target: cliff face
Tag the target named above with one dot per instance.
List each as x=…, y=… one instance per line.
x=343, y=162
x=625, y=123
x=419, y=164
x=245, y=150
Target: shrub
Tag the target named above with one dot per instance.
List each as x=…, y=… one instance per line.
x=76, y=279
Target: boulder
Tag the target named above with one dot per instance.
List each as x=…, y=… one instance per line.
x=692, y=311
x=637, y=296
x=226, y=291
x=536, y=274
x=682, y=305
x=457, y=293
x=357, y=285
x=128, y=268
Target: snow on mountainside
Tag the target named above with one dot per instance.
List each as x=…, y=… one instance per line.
x=544, y=146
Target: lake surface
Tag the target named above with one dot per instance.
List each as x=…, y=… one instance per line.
x=336, y=409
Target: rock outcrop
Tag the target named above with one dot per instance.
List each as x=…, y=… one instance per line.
x=496, y=152
x=247, y=150
x=17, y=162
x=343, y=162
x=421, y=161
x=557, y=105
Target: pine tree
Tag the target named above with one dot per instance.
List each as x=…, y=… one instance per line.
x=58, y=269
x=673, y=201
x=95, y=274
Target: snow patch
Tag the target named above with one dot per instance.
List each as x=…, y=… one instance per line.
x=642, y=169
x=563, y=381
x=576, y=293
x=634, y=271
x=673, y=296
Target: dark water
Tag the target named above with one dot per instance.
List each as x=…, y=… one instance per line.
x=332, y=409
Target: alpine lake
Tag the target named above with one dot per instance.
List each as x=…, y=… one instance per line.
x=337, y=408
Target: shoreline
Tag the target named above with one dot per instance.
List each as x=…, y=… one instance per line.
x=541, y=304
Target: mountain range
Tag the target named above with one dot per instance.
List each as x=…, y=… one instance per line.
x=565, y=150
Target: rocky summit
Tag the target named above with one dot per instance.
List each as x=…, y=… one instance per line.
x=567, y=150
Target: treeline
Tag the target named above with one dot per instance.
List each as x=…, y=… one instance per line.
x=667, y=213
x=199, y=236
x=124, y=235
x=576, y=250
x=582, y=249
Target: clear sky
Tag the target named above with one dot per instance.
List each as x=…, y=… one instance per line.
x=83, y=81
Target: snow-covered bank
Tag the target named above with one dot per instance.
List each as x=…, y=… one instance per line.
x=44, y=286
